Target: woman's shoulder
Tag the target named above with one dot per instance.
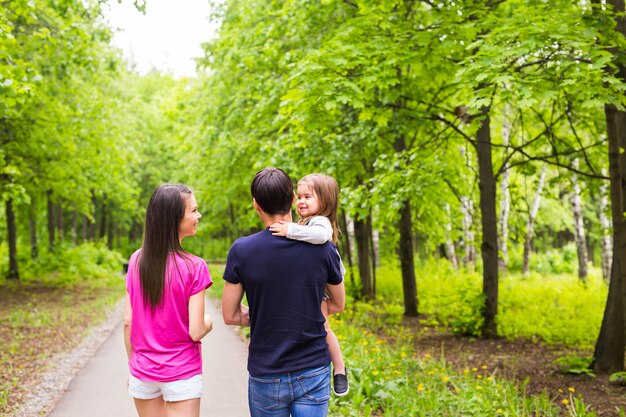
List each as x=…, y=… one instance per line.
x=190, y=258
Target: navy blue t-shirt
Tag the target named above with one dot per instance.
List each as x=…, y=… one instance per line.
x=284, y=282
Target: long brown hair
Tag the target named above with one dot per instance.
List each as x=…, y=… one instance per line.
x=327, y=191
x=166, y=209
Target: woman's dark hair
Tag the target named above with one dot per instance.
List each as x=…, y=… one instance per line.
x=166, y=209
x=272, y=189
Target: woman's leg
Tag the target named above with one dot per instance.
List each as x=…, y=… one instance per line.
x=186, y=408
x=151, y=408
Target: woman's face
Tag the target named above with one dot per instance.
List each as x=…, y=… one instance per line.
x=308, y=204
x=189, y=222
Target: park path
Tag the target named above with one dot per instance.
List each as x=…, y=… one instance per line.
x=99, y=389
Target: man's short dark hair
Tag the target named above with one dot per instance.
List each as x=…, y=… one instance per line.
x=272, y=190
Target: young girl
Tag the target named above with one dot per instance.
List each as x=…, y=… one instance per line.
x=164, y=316
x=318, y=199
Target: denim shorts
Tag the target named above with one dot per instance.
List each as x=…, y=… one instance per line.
x=183, y=389
x=300, y=394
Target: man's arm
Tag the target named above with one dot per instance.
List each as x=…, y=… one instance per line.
x=233, y=311
x=337, y=295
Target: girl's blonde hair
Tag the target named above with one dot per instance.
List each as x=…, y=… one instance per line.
x=327, y=191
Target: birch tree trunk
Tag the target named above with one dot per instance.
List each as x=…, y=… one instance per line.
x=467, y=208
x=579, y=226
x=449, y=245
x=606, y=245
x=530, y=225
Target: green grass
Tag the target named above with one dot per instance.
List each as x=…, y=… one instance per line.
x=50, y=310
x=390, y=378
x=556, y=309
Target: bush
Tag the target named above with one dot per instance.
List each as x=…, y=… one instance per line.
x=88, y=262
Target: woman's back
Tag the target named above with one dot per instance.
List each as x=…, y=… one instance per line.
x=163, y=350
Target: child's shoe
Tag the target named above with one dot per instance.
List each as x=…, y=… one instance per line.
x=340, y=384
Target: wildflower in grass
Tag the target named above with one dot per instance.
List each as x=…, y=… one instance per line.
x=489, y=378
x=475, y=369
x=571, y=389
x=484, y=367
x=479, y=376
x=379, y=342
x=431, y=373
x=374, y=372
x=560, y=391
x=445, y=379
x=427, y=356
x=420, y=387
x=565, y=401
x=478, y=387
x=466, y=371
x=499, y=410
x=375, y=350
x=403, y=355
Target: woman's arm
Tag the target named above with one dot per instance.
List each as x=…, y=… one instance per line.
x=128, y=319
x=199, y=323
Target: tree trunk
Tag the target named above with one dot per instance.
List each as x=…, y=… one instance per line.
x=579, y=226
x=606, y=246
x=505, y=205
x=12, y=236
x=362, y=236
x=84, y=220
x=407, y=265
x=51, y=229
x=467, y=207
x=74, y=227
x=489, y=246
x=32, y=231
x=60, y=223
x=530, y=224
x=104, y=221
x=610, y=346
x=347, y=244
x=449, y=245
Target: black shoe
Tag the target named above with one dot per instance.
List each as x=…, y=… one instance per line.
x=340, y=384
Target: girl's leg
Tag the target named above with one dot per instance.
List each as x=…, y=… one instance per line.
x=333, y=345
x=186, y=408
x=151, y=408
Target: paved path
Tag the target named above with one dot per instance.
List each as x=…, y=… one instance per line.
x=99, y=389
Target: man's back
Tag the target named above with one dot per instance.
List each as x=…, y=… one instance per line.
x=284, y=282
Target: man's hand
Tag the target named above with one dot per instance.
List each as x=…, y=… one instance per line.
x=280, y=228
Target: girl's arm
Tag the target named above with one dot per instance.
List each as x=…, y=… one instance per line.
x=317, y=231
x=199, y=323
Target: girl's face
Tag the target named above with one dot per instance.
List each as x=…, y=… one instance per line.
x=189, y=222
x=308, y=203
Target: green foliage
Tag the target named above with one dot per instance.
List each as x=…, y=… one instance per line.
x=89, y=262
x=390, y=377
x=575, y=365
x=551, y=308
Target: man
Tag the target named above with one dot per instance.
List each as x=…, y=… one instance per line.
x=284, y=282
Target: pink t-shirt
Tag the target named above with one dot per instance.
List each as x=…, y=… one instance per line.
x=162, y=348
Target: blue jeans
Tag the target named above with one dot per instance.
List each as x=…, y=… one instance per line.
x=299, y=394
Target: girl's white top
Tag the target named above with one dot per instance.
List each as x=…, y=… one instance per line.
x=317, y=231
